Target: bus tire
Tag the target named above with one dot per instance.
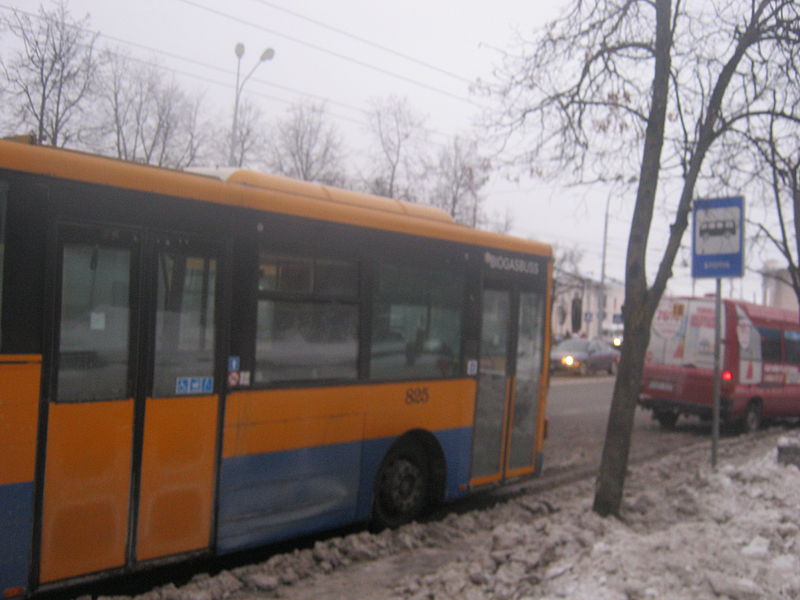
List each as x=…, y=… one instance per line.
x=751, y=422
x=666, y=418
x=402, y=488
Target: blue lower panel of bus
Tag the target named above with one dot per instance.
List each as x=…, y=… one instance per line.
x=16, y=524
x=457, y=447
x=269, y=497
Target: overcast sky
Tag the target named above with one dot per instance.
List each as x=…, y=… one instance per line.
x=346, y=52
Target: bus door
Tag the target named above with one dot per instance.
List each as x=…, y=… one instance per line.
x=509, y=384
x=132, y=411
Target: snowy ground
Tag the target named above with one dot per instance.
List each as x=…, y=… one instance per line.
x=687, y=532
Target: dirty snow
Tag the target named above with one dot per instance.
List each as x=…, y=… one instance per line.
x=687, y=532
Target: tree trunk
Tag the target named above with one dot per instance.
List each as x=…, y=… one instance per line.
x=614, y=464
x=793, y=268
x=611, y=479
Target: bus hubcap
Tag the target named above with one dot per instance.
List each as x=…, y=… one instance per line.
x=405, y=485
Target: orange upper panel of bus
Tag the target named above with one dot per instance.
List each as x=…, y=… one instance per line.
x=258, y=191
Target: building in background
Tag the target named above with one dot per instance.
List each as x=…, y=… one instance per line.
x=584, y=307
x=776, y=288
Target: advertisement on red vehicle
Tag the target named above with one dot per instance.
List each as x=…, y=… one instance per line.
x=683, y=333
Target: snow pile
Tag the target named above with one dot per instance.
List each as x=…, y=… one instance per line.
x=687, y=532
x=701, y=534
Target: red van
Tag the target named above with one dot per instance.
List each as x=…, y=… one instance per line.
x=760, y=362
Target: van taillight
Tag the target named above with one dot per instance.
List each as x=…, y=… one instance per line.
x=727, y=376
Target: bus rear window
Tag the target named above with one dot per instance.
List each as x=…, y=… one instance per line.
x=3, y=196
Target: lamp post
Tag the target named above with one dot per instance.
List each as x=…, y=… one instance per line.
x=601, y=316
x=265, y=56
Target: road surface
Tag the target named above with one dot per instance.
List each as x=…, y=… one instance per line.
x=577, y=411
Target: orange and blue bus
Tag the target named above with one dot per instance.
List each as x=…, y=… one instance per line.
x=195, y=364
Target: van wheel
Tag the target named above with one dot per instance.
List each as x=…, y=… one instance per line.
x=752, y=418
x=666, y=418
x=402, y=488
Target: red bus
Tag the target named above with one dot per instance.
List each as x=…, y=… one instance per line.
x=760, y=362
x=198, y=365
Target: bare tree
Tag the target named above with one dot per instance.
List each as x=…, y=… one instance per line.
x=778, y=169
x=52, y=76
x=251, y=137
x=502, y=222
x=307, y=146
x=458, y=177
x=613, y=75
x=398, y=159
x=146, y=117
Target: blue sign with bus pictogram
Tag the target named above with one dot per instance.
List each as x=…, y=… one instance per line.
x=718, y=237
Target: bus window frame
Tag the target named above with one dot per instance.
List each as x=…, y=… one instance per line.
x=311, y=297
x=128, y=238
x=436, y=271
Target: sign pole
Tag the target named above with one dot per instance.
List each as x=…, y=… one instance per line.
x=717, y=383
x=718, y=251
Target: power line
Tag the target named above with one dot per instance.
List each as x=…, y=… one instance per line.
x=225, y=71
x=344, y=57
x=193, y=62
x=270, y=83
x=157, y=51
x=353, y=36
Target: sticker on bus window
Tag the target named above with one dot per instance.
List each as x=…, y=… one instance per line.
x=97, y=321
x=233, y=379
x=194, y=385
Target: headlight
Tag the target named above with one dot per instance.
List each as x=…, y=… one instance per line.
x=617, y=341
x=567, y=360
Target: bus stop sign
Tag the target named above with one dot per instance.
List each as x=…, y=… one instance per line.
x=718, y=237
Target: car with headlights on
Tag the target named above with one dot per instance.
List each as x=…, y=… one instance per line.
x=584, y=356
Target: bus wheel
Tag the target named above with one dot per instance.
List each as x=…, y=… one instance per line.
x=666, y=418
x=752, y=418
x=403, y=486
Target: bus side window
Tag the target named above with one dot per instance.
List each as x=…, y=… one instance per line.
x=307, y=319
x=93, y=353
x=185, y=327
x=792, y=339
x=416, y=329
x=770, y=344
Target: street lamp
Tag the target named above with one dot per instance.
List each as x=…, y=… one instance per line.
x=265, y=56
x=601, y=313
